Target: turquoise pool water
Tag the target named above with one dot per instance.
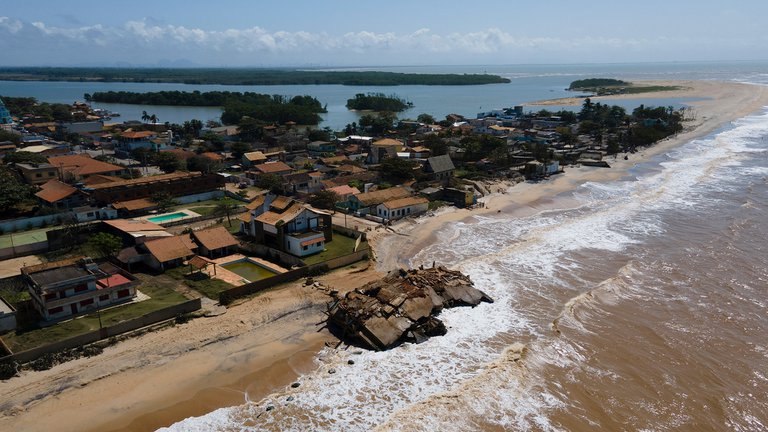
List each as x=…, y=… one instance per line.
x=167, y=217
x=249, y=270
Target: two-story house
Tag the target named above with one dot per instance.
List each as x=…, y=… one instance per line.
x=64, y=288
x=293, y=227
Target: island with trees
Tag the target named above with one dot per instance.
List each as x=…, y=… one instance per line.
x=610, y=86
x=236, y=105
x=245, y=76
x=378, y=102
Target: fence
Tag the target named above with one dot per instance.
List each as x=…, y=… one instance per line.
x=113, y=330
x=272, y=255
x=349, y=232
x=226, y=297
x=23, y=250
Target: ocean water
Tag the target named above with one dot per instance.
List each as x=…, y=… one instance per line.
x=529, y=83
x=638, y=304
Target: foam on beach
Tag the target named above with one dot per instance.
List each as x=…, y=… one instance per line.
x=487, y=371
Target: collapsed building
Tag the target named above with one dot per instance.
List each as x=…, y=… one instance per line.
x=402, y=306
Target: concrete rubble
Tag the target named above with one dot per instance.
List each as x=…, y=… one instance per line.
x=402, y=306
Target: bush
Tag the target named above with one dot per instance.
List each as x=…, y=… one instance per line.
x=8, y=369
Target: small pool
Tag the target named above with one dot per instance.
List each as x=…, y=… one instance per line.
x=249, y=270
x=167, y=217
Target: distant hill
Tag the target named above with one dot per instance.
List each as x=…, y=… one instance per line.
x=242, y=76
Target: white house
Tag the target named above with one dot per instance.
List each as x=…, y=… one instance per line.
x=398, y=208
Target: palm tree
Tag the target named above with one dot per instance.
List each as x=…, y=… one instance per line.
x=153, y=118
x=226, y=209
x=144, y=116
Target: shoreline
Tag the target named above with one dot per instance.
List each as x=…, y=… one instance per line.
x=724, y=103
x=210, y=363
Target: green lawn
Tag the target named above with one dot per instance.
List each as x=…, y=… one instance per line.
x=203, y=211
x=24, y=237
x=210, y=202
x=209, y=287
x=161, y=297
x=340, y=245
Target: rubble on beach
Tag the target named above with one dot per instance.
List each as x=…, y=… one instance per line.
x=402, y=306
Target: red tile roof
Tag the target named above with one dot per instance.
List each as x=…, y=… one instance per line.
x=215, y=238
x=129, y=225
x=168, y=248
x=138, y=135
x=272, y=167
x=82, y=165
x=212, y=156
x=133, y=205
x=55, y=190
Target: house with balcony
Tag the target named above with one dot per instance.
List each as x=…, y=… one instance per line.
x=70, y=287
x=132, y=140
x=317, y=148
x=292, y=227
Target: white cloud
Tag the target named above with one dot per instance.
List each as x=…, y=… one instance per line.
x=153, y=41
x=10, y=25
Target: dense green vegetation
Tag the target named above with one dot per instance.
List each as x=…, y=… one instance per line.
x=21, y=106
x=622, y=132
x=241, y=76
x=378, y=102
x=262, y=108
x=596, y=82
x=273, y=109
x=608, y=86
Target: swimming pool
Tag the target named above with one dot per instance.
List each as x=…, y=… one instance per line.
x=168, y=217
x=249, y=270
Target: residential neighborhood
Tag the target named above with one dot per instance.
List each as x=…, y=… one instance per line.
x=101, y=211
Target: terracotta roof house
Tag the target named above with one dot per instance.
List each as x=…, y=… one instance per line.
x=133, y=207
x=215, y=242
x=277, y=168
x=99, y=179
x=401, y=207
x=132, y=140
x=134, y=231
x=334, y=160
x=382, y=148
x=366, y=202
x=299, y=230
x=212, y=156
x=253, y=158
x=344, y=192
x=61, y=195
x=79, y=167
x=167, y=252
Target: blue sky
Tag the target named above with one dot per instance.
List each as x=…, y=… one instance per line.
x=362, y=33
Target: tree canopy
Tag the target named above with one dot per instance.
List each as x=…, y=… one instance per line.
x=378, y=102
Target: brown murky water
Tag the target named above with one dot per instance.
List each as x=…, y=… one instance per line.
x=643, y=308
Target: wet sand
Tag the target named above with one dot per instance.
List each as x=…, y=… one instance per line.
x=263, y=343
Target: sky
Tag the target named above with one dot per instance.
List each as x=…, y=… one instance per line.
x=338, y=33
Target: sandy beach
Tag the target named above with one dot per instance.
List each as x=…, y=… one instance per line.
x=264, y=343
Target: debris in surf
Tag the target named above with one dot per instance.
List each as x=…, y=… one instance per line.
x=402, y=306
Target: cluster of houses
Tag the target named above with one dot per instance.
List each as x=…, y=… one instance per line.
x=119, y=200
